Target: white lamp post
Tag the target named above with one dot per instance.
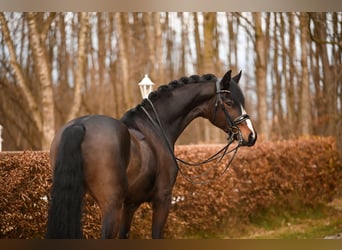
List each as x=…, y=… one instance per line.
x=146, y=86
x=1, y=140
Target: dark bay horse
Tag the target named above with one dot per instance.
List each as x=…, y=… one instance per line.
x=123, y=163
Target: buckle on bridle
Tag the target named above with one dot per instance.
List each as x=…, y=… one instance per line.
x=235, y=130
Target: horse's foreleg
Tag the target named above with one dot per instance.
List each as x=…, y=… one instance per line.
x=126, y=220
x=161, y=207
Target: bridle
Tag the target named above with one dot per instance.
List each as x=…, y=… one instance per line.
x=233, y=132
x=233, y=124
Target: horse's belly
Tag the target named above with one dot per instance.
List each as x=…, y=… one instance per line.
x=141, y=171
x=140, y=187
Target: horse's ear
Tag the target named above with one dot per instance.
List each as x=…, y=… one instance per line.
x=226, y=79
x=237, y=77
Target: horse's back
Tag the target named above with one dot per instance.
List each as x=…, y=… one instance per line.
x=102, y=132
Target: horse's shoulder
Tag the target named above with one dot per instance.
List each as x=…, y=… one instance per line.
x=137, y=134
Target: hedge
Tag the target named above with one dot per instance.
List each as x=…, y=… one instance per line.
x=286, y=174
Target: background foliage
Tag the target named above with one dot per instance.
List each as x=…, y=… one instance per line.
x=288, y=175
x=56, y=66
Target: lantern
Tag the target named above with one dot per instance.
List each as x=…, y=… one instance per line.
x=146, y=86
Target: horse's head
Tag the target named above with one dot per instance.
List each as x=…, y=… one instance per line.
x=228, y=111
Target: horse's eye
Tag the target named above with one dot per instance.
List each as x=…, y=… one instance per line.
x=229, y=102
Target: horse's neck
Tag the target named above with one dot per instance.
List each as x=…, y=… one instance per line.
x=183, y=106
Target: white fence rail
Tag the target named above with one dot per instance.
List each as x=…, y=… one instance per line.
x=1, y=140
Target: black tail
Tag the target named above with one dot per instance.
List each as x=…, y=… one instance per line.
x=64, y=217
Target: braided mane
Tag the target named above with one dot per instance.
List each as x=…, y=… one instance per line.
x=165, y=90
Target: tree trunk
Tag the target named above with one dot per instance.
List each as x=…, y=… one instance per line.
x=209, y=61
x=290, y=81
x=123, y=58
x=81, y=64
x=232, y=42
x=305, y=114
x=158, y=47
x=199, y=53
x=208, y=49
x=184, y=35
x=101, y=56
x=19, y=75
x=278, y=113
x=329, y=81
x=149, y=43
x=260, y=73
x=43, y=71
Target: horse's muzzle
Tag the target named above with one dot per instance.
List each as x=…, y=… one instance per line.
x=252, y=137
x=251, y=140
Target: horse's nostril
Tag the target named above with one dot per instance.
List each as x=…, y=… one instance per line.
x=252, y=139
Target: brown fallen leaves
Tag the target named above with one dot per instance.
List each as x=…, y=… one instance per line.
x=287, y=174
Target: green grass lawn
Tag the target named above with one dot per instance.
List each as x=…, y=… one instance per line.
x=307, y=223
x=304, y=223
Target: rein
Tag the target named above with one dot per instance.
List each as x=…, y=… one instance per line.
x=234, y=130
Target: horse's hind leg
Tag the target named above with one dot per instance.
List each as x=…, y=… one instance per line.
x=111, y=219
x=109, y=190
x=126, y=220
x=111, y=199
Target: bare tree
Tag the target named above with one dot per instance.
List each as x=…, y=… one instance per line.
x=43, y=71
x=19, y=74
x=276, y=74
x=209, y=56
x=43, y=117
x=123, y=57
x=81, y=63
x=158, y=46
x=199, y=46
x=260, y=74
x=232, y=24
x=305, y=114
x=91, y=63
